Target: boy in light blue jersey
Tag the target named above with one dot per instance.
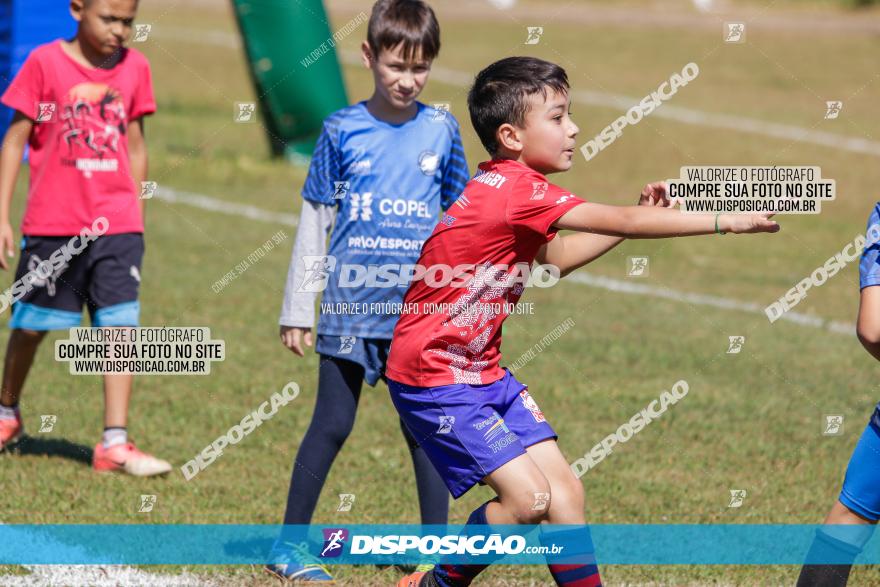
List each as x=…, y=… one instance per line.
x=382, y=171
x=853, y=517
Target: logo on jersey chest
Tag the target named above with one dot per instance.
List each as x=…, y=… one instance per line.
x=361, y=207
x=429, y=162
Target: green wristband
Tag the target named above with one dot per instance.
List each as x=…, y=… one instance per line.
x=716, y=225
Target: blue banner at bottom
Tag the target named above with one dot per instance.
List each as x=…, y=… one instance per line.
x=617, y=544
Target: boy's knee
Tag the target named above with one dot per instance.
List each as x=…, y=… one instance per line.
x=532, y=506
x=568, y=501
x=336, y=430
x=535, y=510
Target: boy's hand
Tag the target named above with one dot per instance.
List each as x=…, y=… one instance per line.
x=741, y=224
x=292, y=337
x=656, y=194
x=7, y=240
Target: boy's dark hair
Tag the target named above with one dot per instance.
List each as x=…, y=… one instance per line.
x=409, y=21
x=499, y=94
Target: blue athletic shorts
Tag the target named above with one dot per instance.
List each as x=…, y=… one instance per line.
x=861, y=487
x=105, y=277
x=468, y=431
x=370, y=353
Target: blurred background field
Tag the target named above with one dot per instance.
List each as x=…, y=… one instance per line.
x=751, y=421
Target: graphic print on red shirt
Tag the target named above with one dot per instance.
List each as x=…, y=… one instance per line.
x=94, y=120
x=451, y=333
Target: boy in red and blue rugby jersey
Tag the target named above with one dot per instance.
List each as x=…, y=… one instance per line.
x=475, y=421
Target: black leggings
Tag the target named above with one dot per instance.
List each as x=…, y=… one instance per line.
x=339, y=389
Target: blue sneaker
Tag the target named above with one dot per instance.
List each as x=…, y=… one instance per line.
x=296, y=563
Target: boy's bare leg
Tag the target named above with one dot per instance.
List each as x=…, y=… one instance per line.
x=532, y=493
x=566, y=507
x=20, y=352
x=840, y=514
x=117, y=393
x=566, y=490
x=525, y=481
x=516, y=483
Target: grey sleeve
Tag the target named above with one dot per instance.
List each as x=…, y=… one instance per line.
x=315, y=223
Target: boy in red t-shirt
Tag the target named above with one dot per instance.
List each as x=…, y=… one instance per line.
x=474, y=420
x=79, y=106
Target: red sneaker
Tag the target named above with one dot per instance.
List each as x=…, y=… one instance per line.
x=10, y=431
x=413, y=580
x=127, y=458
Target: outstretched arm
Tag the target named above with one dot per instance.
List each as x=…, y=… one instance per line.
x=576, y=250
x=653, y=222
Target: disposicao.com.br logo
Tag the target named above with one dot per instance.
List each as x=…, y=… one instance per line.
x=403, y=544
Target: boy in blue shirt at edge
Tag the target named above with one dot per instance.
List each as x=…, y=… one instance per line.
x=853, y=517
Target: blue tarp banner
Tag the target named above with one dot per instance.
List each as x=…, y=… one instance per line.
x=619, y=544
x=24, y=24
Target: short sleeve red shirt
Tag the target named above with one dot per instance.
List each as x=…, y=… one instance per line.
x=450, y=329
x=79, y=147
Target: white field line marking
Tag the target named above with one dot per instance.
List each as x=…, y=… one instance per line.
x=98, y=576
x=629, y=287
x=690, y=116
x=231, y=208
x=89, y=575
x=582, y=277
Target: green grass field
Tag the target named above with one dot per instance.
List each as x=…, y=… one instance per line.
x=751, y=420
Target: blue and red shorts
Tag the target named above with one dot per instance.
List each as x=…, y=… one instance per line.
x=469, y=431
x=105, y=277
